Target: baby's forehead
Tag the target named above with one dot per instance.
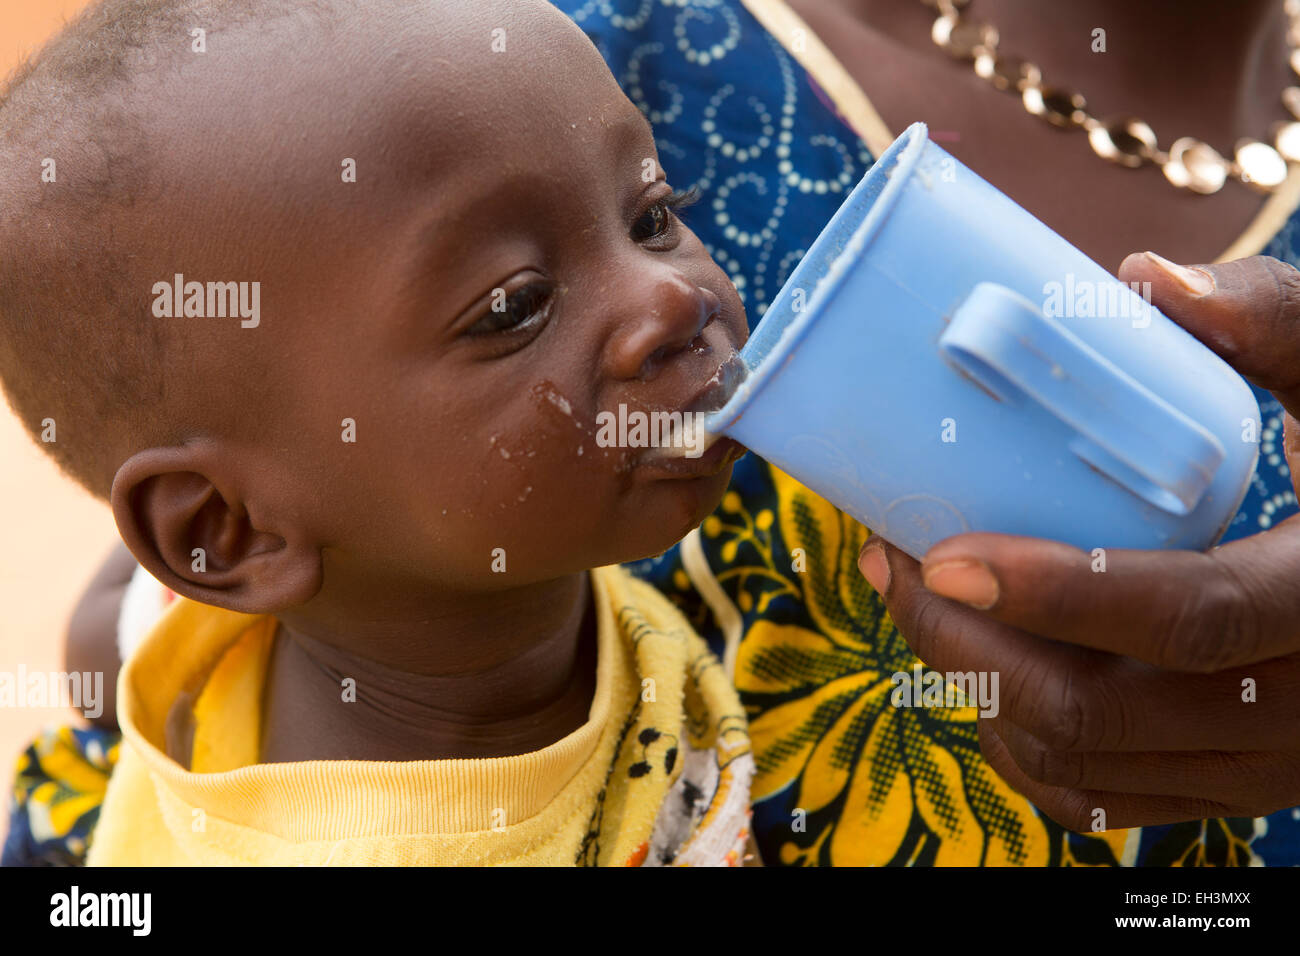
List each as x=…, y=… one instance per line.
x=403, y=99
x=391, y=158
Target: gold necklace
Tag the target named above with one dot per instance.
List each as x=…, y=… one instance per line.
x=1189, y=163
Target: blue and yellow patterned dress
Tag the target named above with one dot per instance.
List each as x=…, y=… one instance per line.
x=843, y=777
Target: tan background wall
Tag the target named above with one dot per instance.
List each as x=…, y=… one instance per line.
x=52, y=534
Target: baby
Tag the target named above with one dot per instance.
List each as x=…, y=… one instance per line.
x=327, y=299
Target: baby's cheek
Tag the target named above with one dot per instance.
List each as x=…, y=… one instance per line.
x=733, y=308
x=573, y=435
x=545, y=455
x=532, y=481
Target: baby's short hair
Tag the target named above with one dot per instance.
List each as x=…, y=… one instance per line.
x=77, y=345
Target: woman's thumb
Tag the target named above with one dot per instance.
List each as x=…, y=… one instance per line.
x=1248, y=311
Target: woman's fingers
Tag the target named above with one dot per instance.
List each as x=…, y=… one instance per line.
x=1073, y=698
x=1179, y=610
x=1261, y=780
x=1091, y=810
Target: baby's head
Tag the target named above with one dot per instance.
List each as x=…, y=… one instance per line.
x=463, y=252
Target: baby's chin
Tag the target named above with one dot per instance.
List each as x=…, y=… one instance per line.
x=679, y=506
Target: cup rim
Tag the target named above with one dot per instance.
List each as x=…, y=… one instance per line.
x=895, y=164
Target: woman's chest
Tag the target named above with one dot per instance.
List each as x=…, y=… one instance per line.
x=1106, y=210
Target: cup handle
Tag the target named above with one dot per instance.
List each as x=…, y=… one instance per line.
x=1010, y=348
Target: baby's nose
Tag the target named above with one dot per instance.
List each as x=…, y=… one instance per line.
x=656, y=325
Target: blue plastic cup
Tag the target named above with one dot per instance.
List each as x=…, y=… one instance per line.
x=940, y=362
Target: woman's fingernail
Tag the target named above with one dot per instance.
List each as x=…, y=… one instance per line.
x=968, y=580
x=1195, y=281
x=874, y=567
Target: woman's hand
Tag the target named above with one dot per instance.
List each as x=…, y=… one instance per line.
x=1168, y=688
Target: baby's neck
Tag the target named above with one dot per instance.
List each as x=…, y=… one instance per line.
x=414, y=697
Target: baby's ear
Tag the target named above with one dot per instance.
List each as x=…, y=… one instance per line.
x=172, y=513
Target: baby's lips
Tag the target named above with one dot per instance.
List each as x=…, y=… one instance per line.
x=720, y=387
x=691, y=439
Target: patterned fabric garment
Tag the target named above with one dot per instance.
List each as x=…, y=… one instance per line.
x=843, y=776
x=56, y=796
x=659, y=775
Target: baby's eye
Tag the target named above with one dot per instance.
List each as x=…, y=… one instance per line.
x=654, y=222
x=521, y=309
x=657, y=219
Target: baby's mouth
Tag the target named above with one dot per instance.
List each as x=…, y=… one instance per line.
x=687, y=437
x=720, y=386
